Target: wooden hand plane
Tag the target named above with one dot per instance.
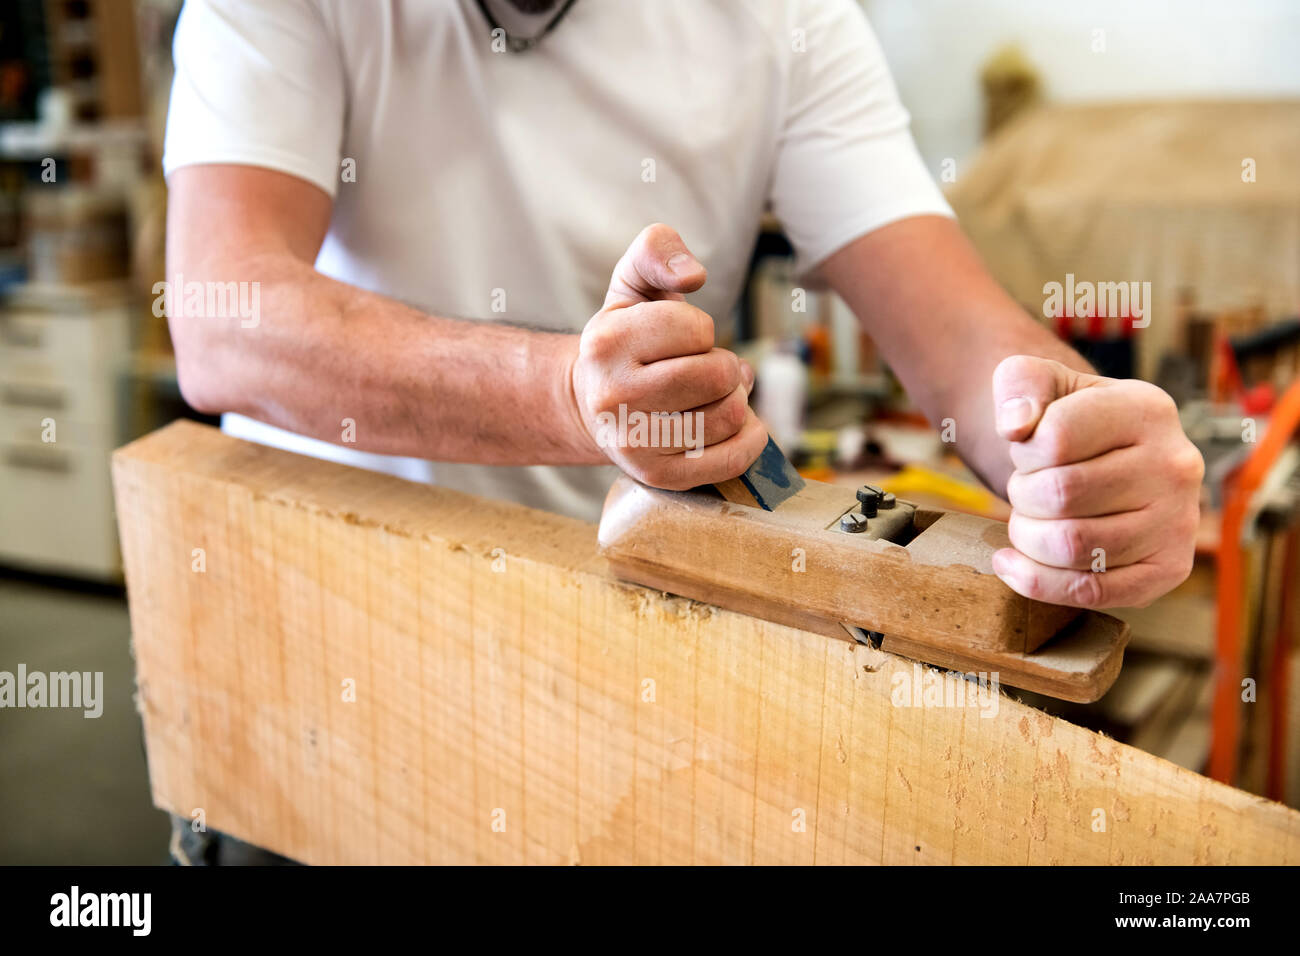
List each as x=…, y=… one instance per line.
x=858, y=564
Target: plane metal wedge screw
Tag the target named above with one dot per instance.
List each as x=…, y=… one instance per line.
x=870, y=497
x=853, y=523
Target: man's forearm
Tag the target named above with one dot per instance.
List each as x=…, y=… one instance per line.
x=323, y=351
x=943, y=324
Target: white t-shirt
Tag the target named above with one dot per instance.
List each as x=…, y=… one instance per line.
x=482, y=176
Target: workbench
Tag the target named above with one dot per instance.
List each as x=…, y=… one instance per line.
x=344, y=667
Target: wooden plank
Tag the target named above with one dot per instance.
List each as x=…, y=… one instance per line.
x=501, y=711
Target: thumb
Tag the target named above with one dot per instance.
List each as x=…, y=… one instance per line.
x=1023, y=387
x=656, y=266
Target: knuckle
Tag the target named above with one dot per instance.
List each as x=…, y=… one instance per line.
x=1063, y=489
x=1031, y=584
x=736, y=408
x=1052, y=437
x=634, y=392
x=1159, y=404
x=737, y=459
x=1188, y=464
x=704, y=328
x=1013, y=369
x=1071, y=545
x=655, y=317
x=1163, y=402
x=1015, y=530
x=722, y=376
x=654, y=231
x=681, y=320
x=733, y=364
x=649, y=239
x=1016, y=488
x=605, y=396
x=1084, y=589
x=656, y=312
x=600, y=342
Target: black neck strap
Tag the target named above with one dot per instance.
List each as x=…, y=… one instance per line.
x=523, y=44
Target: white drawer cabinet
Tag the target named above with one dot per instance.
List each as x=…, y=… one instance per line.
x=58, y=510
x=62, y=350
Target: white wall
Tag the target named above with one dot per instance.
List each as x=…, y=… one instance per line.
x=1154, y=49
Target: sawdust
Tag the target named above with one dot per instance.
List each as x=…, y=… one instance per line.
x=1037, y=822
x=647, y=602
x=869, y=658
x=1104, y=761
x=1062, y=770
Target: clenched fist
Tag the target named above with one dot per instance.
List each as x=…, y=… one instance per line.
x=1105, y=495
x=657, y=397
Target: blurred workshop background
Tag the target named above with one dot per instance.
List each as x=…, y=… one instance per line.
x=1113, y=141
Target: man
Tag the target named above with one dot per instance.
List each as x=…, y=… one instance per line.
x=390, y=174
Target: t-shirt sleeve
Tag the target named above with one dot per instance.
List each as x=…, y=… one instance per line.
x=257, y=84
x=846, y=163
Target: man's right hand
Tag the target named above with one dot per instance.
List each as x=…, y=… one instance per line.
x=648, y=351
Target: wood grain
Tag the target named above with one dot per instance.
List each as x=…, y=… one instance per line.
x=501, y=674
